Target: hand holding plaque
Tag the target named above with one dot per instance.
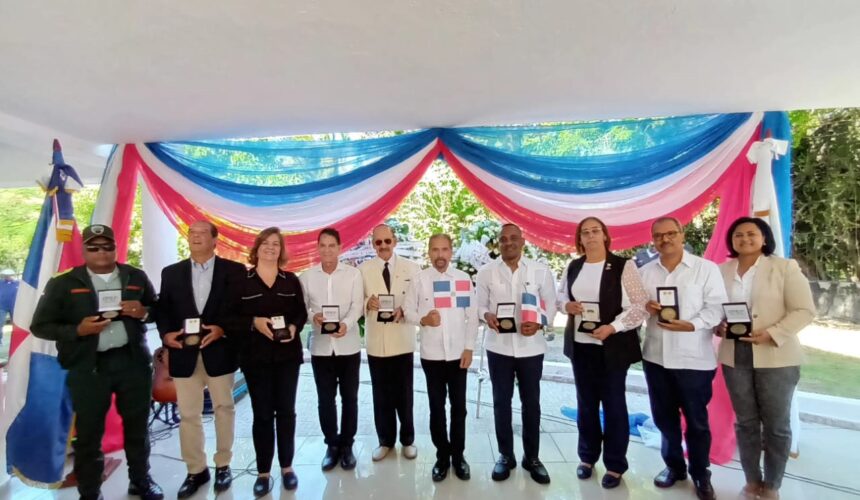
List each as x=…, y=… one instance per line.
x=386, y=308
x=110, y=304
x=280, y=332
x=738, y=320
x=191, y=335
x=667, y=296
x=590, y=318
x=506, y=315
x=331, y=320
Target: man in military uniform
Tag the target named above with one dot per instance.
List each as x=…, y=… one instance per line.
x=97, y=313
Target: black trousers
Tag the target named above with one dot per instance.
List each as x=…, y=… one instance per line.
x=130, y=378
x=597, y=384
x=330, y=374
x=528, y=372
x=446, y=380
x=391, y=378
x=272, y=387
x=672, y=392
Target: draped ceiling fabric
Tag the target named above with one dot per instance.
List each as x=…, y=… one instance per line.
x=543, y=178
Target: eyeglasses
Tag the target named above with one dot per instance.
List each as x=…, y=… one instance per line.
x=670, y=235
x=105, y=247
x=387, y=241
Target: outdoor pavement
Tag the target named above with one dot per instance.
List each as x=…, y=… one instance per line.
x=824, y=470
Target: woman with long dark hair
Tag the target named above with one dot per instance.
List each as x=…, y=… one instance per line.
x=762, y=368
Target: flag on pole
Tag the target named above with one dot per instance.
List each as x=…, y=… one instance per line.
x=533, y=309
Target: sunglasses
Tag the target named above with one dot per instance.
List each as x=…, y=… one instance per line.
x=105, y=247
x=387, y=241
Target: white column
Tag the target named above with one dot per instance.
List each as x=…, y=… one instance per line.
x=159, y=238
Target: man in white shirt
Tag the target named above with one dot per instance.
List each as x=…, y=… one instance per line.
x=520, y=353
x=390, y=343
x=679, y=358
x=442, y=302
x=336, y=289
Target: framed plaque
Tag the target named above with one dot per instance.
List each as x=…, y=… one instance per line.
x=279, y=329
x=331, y=320
x=506, y=314
x=667, y=297
x=191, y=335
x=590, y=318
x=386, y=308
x=109, y=304
x=738, y=320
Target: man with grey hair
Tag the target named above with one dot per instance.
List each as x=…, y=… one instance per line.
x=687, y=293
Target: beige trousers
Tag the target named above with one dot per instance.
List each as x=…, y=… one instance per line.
x=189, y=395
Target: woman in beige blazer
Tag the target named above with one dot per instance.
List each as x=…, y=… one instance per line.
x=762, y=370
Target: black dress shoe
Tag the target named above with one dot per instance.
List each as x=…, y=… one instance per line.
x=609, y=481
x=332, y=455
x=502, y=469
x=440, y=470
x=192, y=483
x=584, y=471
x=461, y=469
x=92, y=497
x=146, y=489
x=291, y=481
x=704, y=490
x=668, y=477
x=536, y=470
x=223, y=478
x=263, y=485
x=347, y=459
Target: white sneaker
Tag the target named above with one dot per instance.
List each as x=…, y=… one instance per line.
x=380, y=452
x=410, y=452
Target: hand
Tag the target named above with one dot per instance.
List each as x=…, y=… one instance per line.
x=373, y=303
x=340, y=331
x=318, y=319
x=653, y=307
x=466, y=359
x=602, y=332
x=677, y=325
x=292, y=330
x=492, y=321
x=172, y=339
x=133, y=309
x=263, y=325
x=530, y=328
x=215, y=333
x=433, y=318
x=720, y=330
x=91, y=326
x=398, y=314
x=573, y=308
x=758, y=337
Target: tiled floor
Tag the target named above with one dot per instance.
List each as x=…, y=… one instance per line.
x=826, y=469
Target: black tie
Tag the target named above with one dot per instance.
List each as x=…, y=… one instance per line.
x=386, y=277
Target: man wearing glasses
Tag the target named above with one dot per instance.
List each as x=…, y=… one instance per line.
x=686, y=296
x=97, y=313
x=390, y=342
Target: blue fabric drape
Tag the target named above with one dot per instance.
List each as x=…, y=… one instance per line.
x=778, y=125
x=592, y=157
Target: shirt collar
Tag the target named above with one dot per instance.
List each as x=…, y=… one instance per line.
x=205, y=266
x=337, y=267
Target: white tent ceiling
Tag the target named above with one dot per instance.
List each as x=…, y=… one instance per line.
x=94, y=72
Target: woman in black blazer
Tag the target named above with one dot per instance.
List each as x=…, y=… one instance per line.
x=271, y=365
x=603, y=350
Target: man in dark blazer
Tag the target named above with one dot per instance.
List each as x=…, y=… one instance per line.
x=195, y=292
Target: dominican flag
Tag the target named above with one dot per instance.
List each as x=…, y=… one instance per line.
x=444, y=296
x=530, y=311
x=36, y=421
